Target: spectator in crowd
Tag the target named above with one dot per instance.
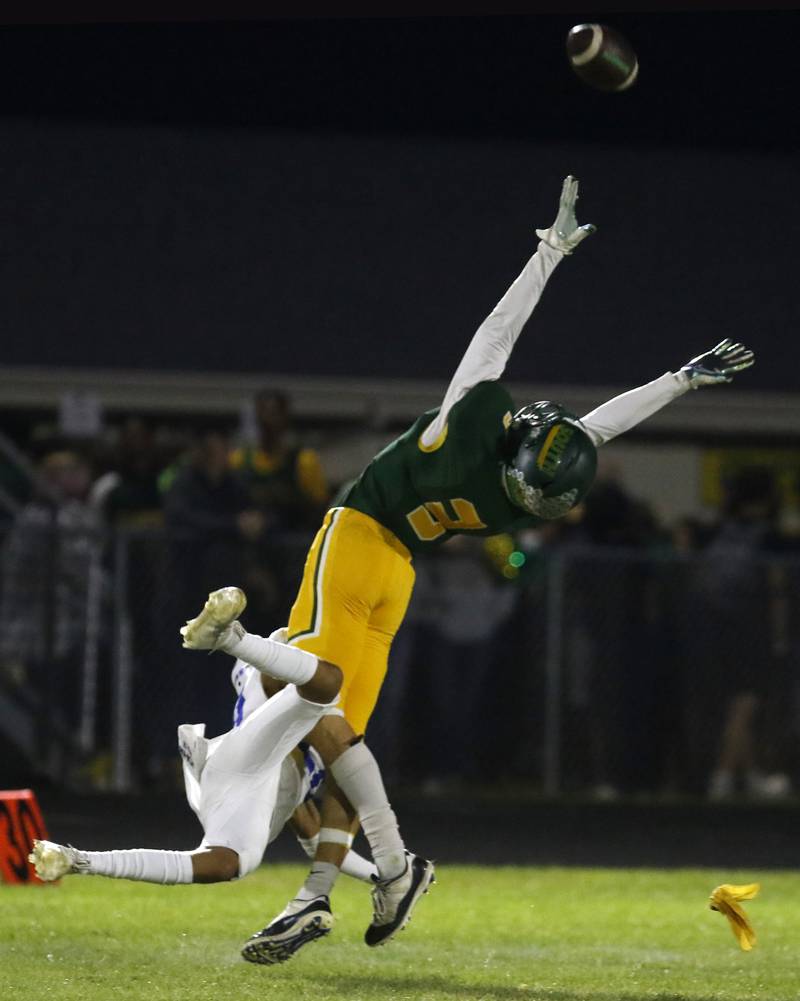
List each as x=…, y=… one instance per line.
x=208, y=504
x=285, y=483
x=611, y=689
x=129, y=493
x=284, y=480
x=15, y=490
x=738, y=594
x=211, y=525
x=468, y=604
x=129, y=498
x=51, y=582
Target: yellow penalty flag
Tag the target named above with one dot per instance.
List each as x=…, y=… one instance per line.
x=725, y=899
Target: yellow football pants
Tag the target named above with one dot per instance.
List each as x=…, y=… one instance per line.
x=356, y=586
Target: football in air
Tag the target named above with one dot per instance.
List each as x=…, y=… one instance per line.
x=602, y=57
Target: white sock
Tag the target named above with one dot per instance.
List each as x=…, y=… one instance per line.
x=358, y=867
x=358, y=776
x=286, y=663
x=309, y=845
x=319, y=882
x=147, y=864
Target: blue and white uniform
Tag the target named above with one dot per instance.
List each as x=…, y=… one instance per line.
x=243, y=785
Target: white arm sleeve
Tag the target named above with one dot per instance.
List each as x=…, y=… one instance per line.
x=626, y=411
x=490, y=348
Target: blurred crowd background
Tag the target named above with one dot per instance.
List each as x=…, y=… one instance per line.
x=609, y=654
x=240, y=255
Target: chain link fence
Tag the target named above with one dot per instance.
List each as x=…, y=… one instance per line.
x=52, y=588
x=594, y=671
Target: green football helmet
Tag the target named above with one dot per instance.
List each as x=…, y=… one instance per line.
x=550, y=460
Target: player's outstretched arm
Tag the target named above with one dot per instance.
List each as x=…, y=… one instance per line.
x=489, y=350
x=711, y=368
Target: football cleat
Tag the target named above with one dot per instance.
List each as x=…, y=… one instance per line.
x=393, y=900
x=53, y=861
x=221, y=609
x=289, y=932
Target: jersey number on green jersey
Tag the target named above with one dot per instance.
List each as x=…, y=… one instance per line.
x=432, y=519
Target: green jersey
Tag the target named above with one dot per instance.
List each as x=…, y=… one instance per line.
x=426, y=490
x=427, y=494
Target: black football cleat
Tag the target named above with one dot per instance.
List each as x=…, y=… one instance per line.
x=281, y=939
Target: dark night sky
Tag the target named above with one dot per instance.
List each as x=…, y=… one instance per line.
x=352, y=195
x=709, y=78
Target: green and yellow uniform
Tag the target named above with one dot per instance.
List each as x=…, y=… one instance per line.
x=442, y=477
x=358, y=577
x=439, y=478
x=426, y=494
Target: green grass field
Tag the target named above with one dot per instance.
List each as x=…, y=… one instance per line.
x=500, y=933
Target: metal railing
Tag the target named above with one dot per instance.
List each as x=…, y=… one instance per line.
x=594, y=670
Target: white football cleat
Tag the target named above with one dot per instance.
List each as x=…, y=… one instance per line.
x=53, y=861
x=393, y=900
x=221, y=609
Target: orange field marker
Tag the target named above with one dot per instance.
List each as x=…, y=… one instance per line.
x=20, y=822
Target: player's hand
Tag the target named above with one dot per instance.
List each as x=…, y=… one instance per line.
x=720, y=364
x=565, y=234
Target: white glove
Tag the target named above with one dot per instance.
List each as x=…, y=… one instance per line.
x=565, y=234
x=279, y=635
x=720, y=364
